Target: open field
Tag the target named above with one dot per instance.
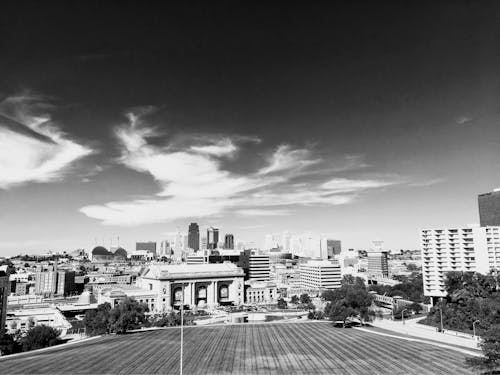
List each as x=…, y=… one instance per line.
x=281, y=348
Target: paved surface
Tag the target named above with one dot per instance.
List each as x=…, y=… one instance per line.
x=268, y=348
x=412, y=328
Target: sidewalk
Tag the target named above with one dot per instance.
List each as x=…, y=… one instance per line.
x=412, y=328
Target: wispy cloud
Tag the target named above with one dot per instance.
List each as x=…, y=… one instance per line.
x=263, y=212
x=32, y=148
x=286, y=159
x=193, y=182
x=429, y=182
x=464, y=120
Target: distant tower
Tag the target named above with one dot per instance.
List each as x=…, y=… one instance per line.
x=489, y=208
x=229, y=241
x=212, y=238
x=194, y=236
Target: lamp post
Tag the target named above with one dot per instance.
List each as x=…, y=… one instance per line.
x=441, y=317
x=403, y=315
x=474, y=327
x=182, y=329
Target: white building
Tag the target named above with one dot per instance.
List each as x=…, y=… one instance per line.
x=201, y=285
x=309, y=245
x=320, y=274
x=22, y=318
x=261, y=293
x=457, y=249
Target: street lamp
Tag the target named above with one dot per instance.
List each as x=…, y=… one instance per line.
x=441, y=316
x=403, y=315
x=182, y=330
x=474, y=327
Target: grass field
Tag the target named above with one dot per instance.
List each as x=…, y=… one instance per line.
x=281, y=348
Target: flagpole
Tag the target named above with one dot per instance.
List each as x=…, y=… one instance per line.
x=182, y=327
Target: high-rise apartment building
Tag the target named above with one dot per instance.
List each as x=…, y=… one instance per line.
x=378, y=265
x=46, y=282
x=320, y=274
x=255, y=265
x=4, y=292
x=489, y=208
x=194, y=236
x=65, y=282
x=146, y=246
x=229, y=242
x=212, y=238
x=457, y=249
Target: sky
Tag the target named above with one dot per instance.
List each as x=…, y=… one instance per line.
x=355, y=120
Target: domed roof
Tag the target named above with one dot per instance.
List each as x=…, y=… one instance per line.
x=99, y=250
x=121, y=252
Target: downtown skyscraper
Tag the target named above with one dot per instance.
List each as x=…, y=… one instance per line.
x=212, y=238
x=489, y=208
x=194, y=236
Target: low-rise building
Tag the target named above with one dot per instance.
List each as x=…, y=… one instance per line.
x=261, y=293
x=23, y=318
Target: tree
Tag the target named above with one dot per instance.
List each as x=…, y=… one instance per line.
x=282, y=304
x=305, y=299
x=415, y=307
x=295, y=300
x=128, y=315
x=339, y=311
x=412, y=267
x=490, y=346
x=8, y=344
x=39, y=337
x=172, y=319
x=350, y=300
x=97, y=322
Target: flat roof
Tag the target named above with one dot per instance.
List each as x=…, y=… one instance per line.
x=192, y=270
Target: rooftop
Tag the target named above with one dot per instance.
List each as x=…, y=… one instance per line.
x=192, y=270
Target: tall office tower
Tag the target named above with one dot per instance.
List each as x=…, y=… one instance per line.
x=285, y=240
x=334, y=248
x=457, y=249
x=204, y=243
x=165, y=249
x=272, y=241
x=148, y=246
x=256, y=266
x=378, y=264
x=194, y=236
x=489, y=208
x=4, y=292
x=212, y=238
x=65, y=282
x=320, y=274
x=229, y=241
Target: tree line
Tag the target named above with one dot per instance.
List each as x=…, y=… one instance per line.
x=36, y=337
x=473, y=300
x=129, y=315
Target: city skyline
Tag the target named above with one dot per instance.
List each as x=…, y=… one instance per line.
x=351, y=124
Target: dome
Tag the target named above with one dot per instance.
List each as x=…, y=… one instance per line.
x=99, y=250
x=121, y=252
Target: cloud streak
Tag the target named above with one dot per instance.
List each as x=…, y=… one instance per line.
x=193, y=182
x=32, y=148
